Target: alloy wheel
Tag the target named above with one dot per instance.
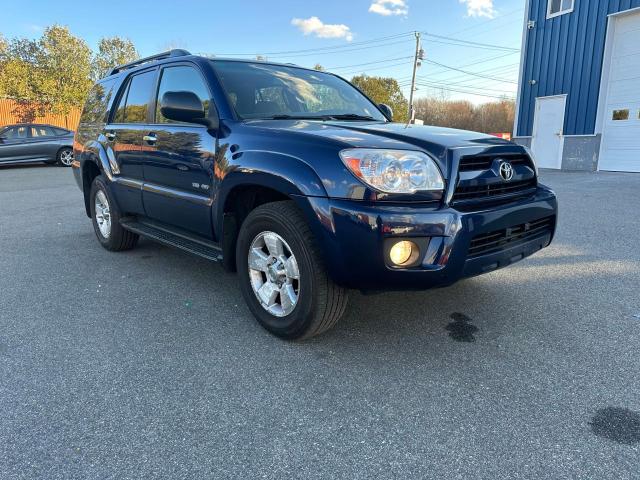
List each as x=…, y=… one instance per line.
x=66, y=157
x=274, y=274
x=103, y=213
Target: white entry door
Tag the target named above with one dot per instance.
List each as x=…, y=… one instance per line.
x=620, y=148
x=548, y=124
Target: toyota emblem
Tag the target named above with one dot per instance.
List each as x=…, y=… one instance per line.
x=506, y=171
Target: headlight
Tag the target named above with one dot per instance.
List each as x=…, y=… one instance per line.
x=393, y=171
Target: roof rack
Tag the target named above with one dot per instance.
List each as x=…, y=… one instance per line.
x=177, y=52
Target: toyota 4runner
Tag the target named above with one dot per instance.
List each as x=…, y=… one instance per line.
x=299, y=182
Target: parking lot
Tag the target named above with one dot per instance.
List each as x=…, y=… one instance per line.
x=148, y=364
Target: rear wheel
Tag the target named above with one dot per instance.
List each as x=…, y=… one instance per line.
x=283, y=276
x=65, y=157
x=106, y=219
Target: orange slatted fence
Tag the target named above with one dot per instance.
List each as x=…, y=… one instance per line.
x=9, y=116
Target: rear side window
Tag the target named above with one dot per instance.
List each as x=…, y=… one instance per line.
x=179, y=79
x=60, y=131
x=97, y=105
x=38, y=131
x=134, y=103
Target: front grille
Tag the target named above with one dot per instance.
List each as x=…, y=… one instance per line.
x=473, y=164
x=498, y=240
x=482, y=192
x=480, y=180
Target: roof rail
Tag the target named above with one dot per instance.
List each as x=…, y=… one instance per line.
x=177, y=52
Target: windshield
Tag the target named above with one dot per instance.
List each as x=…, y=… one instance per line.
x=258, y=90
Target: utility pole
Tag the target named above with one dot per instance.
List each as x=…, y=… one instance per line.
x=416, y=63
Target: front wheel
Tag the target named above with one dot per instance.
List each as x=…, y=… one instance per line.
x=283, y=276
x=64, y=157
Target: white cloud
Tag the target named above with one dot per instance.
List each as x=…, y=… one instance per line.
x=479, y=8
x=389, y=7
x=32, y=27
x=313, y=25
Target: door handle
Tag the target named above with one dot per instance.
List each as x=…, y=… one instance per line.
x=111, y=136
x=150, y=138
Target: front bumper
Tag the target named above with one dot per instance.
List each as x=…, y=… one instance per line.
x=353, y=236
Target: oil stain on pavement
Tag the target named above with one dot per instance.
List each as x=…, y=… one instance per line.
x=461, y=329
x=618, y=424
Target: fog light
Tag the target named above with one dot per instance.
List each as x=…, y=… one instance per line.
x=402, y=252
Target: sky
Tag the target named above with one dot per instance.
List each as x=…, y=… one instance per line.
x=471, y=46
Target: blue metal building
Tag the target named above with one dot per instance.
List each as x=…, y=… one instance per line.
x=578, y=103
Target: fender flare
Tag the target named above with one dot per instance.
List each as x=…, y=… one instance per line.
x=94, y=152
x=283, y=173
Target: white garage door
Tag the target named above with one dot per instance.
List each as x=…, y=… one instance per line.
x=620, y=148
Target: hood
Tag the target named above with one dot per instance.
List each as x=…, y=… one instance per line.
x=435, y=140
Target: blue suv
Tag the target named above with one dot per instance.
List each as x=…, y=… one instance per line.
x=299, y=182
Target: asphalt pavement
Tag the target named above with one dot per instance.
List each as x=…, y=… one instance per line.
x=148, y=364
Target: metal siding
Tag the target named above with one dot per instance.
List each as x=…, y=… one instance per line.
x=574, y=88
x=552, y=71
x=584, y=97
x=564, y=55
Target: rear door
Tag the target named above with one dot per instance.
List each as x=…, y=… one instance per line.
x=178, y=169
x=44, y=142
x=128, y=125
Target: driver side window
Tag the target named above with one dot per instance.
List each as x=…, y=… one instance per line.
x=15, y=133
x=180, y=79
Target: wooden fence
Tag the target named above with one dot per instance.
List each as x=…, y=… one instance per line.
x=9, y=115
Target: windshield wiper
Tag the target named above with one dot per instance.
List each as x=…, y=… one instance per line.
x=297, y=117
x=351, y=116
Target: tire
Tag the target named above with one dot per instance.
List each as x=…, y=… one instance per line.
x=64, y=158
x=319, y=302
x=114, y=238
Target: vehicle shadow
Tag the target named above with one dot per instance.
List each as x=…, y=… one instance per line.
x=540, y=296
x=25, y=166
x=528, y=296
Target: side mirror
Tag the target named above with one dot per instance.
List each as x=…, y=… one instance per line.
x=386, y=111
x=184, y=107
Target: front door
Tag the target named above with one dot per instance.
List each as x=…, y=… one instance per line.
x=14, y=144
x=548, y=127
x=178, y=171
x=125, y=139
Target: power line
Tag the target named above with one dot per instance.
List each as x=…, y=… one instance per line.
x=472, y=87
x=484, y=60
x=321, y=49
x=375, y=68
x=432, y=62
x=441, y=71
x=457, y=78
x=466, y=92
x=341, y=51
x=464, y=45
x=369, y=63
x=465, y=78
x=470, y=43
